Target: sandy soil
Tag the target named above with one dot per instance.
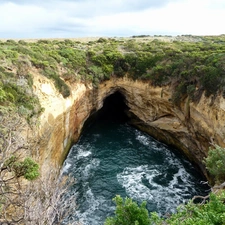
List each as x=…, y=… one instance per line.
x=87, y=39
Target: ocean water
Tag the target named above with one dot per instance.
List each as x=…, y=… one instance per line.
x=116, y=159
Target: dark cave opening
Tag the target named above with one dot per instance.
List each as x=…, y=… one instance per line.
x=114, y=109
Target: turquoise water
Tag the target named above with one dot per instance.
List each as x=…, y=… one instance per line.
x=113, y=158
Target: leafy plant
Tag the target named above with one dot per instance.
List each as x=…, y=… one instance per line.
x=210, y=213
x=27, y=168
x=62, y=87
x=3, y=95
x=128, y=213
x=215, y=163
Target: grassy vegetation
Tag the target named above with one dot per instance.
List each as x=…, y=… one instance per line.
x=191, y=65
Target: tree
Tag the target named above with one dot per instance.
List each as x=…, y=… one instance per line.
x=37, y=200
x=45, y=202
x=129, y=213
x=26, y=168
x=14, y=166
x=215, y=162
x=212, y=212
x=205, y=213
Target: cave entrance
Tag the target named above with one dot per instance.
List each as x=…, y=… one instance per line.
x=114, y=109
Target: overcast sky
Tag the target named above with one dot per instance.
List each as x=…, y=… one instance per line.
x=112, y=18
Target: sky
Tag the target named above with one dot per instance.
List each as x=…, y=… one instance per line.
x=110, y=18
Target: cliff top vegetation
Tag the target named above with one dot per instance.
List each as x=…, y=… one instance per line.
x=191, y=65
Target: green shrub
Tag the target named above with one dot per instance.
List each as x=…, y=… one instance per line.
x=62, y=87
x=215, y=163
x=3, y=95
x=20, y=98
x=39, y=63
x=129, y=213
x=29, y=78
x=210, y=80
x=102, y=40
x=180, y=93
x=210, y=213
x=75, y=58
x=191, y=90
x=22, y=42
x=11, y=42
x=27, y=168
x=99, y=59
x=10, y=54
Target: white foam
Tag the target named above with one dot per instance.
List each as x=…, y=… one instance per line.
x=143, y=139
x=83, y=154
x=177, y=187
x=131, y=180
x=66, y=167
x=164, y=196
x=90, y=167
x=89, y=216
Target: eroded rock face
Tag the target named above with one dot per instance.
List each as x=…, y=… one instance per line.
x=191, y=127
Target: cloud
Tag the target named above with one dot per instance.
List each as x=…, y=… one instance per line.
x=24, y=18
x=67, y=18
x=95, y=5
x=184, y=17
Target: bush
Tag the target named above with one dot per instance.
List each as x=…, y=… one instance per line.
x=215, y=163
x=129, y=213
x=211, y=80
x=211, y=213
x=102, y=40
x=61, y=86
x=3, y=95
x=27, y=168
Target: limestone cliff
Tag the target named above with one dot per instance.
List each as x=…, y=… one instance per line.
x=190, y=127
